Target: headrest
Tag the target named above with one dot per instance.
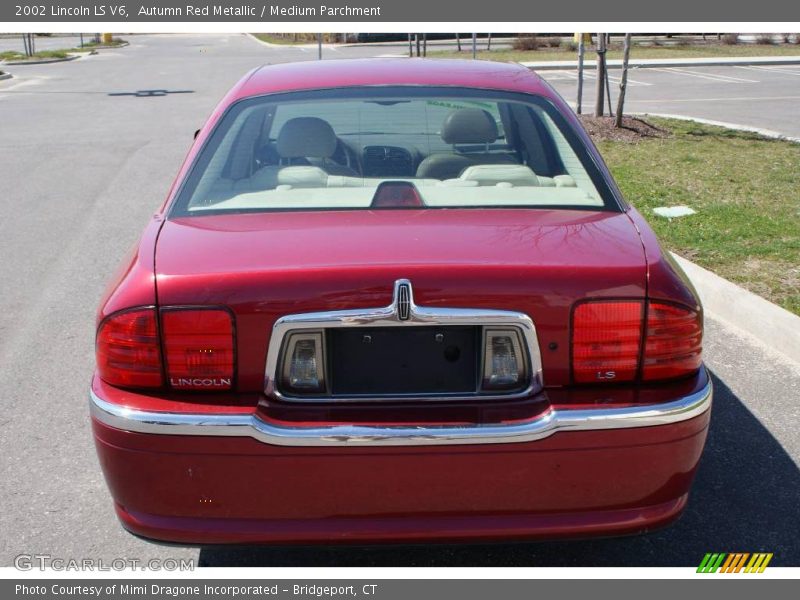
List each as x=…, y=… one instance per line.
x=303, y=177
x=469, y=126
x=306, y=137
x=516, y=175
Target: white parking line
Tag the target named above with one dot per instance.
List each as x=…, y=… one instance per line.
x=559, y=75
x=573, y=76
x=708, y=76
x=725, y=99
x=776, y=70
x=18, y=84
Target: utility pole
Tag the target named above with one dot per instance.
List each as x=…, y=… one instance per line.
x=599, y=108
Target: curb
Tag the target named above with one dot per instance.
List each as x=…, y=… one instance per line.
x=768, y=133
x=45, y=61
x=770, y=324
x=101, y=47
x=270, y=45
x=645, y=63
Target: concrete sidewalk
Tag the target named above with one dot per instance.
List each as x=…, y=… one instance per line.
x=668, y=62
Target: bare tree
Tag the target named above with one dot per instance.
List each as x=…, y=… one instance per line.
x=581, y=50
x=623, y=83
x=599, y=105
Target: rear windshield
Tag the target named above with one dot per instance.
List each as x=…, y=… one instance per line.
x=365, y=148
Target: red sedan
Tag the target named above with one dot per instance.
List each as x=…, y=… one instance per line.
x=397, y=300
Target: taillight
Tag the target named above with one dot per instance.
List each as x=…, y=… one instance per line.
x=198, y=348
x=612, y=343
x=127, y=348
x=673, y=342
x=606, y=338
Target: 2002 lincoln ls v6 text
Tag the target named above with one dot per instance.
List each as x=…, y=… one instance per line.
x=397, y=300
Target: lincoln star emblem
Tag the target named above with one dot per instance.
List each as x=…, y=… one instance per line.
x=402, y=299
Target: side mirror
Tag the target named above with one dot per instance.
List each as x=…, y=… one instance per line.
x=196, y=133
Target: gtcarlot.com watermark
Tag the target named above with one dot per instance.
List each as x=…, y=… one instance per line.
x=43, y=562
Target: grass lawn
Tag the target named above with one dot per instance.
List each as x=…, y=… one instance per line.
x=745, y=189
x=689, y=51
x=291, y=39
x=13, y=55
x=44, y=54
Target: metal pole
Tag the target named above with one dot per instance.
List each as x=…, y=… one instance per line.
x=581, y=50
x=474, y=45
x=410, y=47
x=425, y=44
x=489, y=43
x=458, y=41
x=319, y=45
x=416, y=37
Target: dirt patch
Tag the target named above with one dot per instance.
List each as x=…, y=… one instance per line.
x=602, y=129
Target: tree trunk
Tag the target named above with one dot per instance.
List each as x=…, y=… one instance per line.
x=623, y=83
x=599, y=105
x=581, y=50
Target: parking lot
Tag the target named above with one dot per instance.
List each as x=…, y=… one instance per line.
x=88, y=149
x=764, y=96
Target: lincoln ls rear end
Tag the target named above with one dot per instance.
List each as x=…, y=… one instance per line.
x=397, y=300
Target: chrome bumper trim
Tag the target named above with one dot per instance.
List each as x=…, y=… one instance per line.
x=542, y=426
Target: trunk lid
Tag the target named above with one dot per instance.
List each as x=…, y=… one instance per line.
x=266, y=265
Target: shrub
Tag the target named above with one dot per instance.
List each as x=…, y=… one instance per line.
x=570, y=46
x=765, y=39
x=528, y=41
x=730, y=39
x=554, y=42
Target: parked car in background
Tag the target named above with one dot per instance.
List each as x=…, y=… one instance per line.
x=397, y=300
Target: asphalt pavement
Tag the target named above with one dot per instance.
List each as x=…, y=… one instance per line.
x=88, y=149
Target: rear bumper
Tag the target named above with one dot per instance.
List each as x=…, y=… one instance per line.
x=192, y=478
